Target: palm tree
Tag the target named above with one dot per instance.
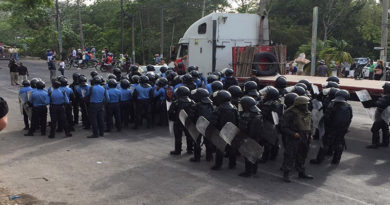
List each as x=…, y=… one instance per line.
x=335, y=50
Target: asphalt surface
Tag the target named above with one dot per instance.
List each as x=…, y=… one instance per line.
x=134, y=167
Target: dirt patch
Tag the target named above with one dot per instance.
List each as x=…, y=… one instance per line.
x=25, y=199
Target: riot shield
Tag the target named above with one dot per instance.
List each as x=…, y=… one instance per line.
x=386, y=115
x=270, y=132
x=317, y=115
x=248, y=147
x=189, y=125
x=210, y=133
x=364, y=96
x=170, y=123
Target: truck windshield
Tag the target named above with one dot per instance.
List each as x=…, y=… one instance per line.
x=183, y=50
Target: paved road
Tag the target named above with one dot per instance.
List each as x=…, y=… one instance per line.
x=134, y=167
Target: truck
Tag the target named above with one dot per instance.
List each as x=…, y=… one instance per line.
x=220, y=40
x=213, y=42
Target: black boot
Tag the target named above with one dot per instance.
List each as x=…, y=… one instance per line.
x=175, y=152
x=245, y=174
x=303, y=175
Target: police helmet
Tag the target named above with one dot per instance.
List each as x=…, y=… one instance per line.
x=331, y=84
x=117, y=71
x=125, y=83
x=333, y=79
x=203, y=95
x=83, y=80
x=56, y=84
x=124, y=77
x=63, y=81
x=134, y=68
x=150, y=68
x=289, y=99
x=161, y=82
x=332, y=92
x=301, y=85
x=281, y=82
x=171, y=75
x=271, y=93
x=187, y=78
x=96, y=80
x=341, y=96
x=191, y=68
x=135, y=79
x=216, y=85
x=386, y=88
x=111, y=76
x=112, y=83
x=183, y=91
x=229, y=72
x=75, y=77
x=93, y=74
x=26, y=83
x=211, y=78
x=235, y=91
x=301, y=100
x=222, y=96
x=248, y=104
x=306, y=82
x=176, y=80
x=250, y=85
x=144, y=79
x=299, y=90
x=151, y=76
x=195, y=74
x=163, y=69
x=40, y=85
x=33, y=82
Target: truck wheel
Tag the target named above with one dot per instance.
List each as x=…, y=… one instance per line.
x=265, y=69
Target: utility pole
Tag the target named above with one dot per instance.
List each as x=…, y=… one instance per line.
x=385, y=12
x=59, y=29
x=314, y=41
x=162, y=34
x=173, y=34
x=133, y=38
x=203, y=7
x=264, y=26
x=81, y=25
x=122, y=35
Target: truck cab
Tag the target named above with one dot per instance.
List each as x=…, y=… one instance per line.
x=208, y=43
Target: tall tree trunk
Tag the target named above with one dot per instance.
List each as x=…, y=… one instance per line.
x=122, y=35
x=80, y=24
x=142, y=37
x=162, y=34
x=149, y=36
x=133, y=37
x=59, y=29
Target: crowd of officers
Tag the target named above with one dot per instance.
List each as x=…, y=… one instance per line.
x=280, y=111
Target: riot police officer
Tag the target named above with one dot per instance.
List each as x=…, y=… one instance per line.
x=379, y=124
x=229, y=80
x=250, y=89
x=188, y=82
x=225, y=112
x=143, y=94
x=296, y=126
x=281, y=84
x=117, y=72
x=126, y=105
x=160, y=106
x=182, y=102
x=113, y=106
x=39, y=99
x=58, y=99
x=250, y=122
x=202, y=107
x=338, y=117
x=68, y=105
x=97, y=98
x=210, y=79
x=76, y=101
x=269, y=105
x=82, y=92
x=23, y=94
x=134, y=71
x=236, y=93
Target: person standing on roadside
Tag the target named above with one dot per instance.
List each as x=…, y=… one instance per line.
x=52, y=69
x=13, y=69
x=322, y=69
x=378, y=71
x=23, y=72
